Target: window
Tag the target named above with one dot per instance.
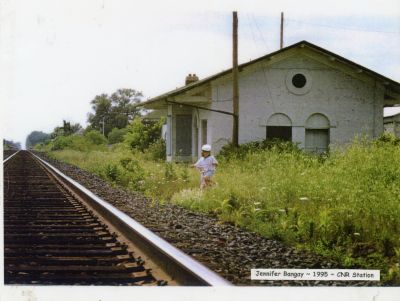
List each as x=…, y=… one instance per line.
x=317, y=133
x=299, y=80
x=204, y=131
x=317, y=141
x=279, y=126
x=279, y=132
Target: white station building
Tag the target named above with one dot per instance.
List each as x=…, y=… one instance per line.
x=302, y=93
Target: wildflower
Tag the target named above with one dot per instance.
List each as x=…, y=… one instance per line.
x=282, y=210
x=257, y=203
x=356, y=234
x=303, y=198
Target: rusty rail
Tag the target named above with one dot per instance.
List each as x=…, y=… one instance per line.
x=58, y=232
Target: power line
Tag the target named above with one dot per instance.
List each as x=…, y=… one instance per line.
x=259, y=31
x=340, y=27
x=264, y=72
x=252, y=32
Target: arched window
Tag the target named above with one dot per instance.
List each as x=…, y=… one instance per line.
x=317, y=133
x=279, y=126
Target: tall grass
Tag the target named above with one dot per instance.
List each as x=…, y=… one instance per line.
x=345, y=205
x=157, y=180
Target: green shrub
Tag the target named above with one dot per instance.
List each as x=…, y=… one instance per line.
x=157, y=150
x=112, y=172
x=75, y=142
x=185, y=173
x=131, y=164
x=117, y=135
x=170, y=173
x=91, y=140
x=388, y=138
x=61, y=142
x=95, y=137
x=142, y=133
x=135, y=173
x=229, y=151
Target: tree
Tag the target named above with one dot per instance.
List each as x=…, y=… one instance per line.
x=36, y=137
x=117, y=135
x=9, y=144
x=66, y=129
x=95, y=137
x=116, y=111
x=143, y=133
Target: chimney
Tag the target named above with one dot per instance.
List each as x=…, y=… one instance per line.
x=191, y=78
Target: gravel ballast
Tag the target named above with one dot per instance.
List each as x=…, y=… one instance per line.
x=7, y=153
x=230, y=251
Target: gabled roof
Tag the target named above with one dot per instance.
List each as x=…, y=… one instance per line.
x=389, y=83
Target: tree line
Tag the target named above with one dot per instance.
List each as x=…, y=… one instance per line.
x=110, y=115
x=113, y=119
x=11, y=145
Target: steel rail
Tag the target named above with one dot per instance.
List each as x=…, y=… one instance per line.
x=9, y=157
x=180, y=266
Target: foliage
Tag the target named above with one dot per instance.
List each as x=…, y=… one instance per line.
x=388, y=138
x=142, y=133
x=345, y=205
x=132, y=170
x=231, y=152
x=135, y=173
x=36, y=137
x=170, y=173
x=157, y=150
x=72, y=142
x=115, y=110
x=91, y=140
x=117, y=135
x=66, y=129
x=95, y=137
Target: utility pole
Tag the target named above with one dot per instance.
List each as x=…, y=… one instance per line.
x=235, y=72
x=281, y=30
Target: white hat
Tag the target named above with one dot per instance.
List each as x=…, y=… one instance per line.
x=206, y=148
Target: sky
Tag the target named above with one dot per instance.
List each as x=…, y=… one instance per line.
x=56, y=56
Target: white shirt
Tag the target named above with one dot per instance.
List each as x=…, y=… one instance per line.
x=206, y=164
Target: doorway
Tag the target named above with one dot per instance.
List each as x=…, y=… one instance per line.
x=203, y=131
x=183, y=145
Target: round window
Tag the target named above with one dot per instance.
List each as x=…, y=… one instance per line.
x=299, y=80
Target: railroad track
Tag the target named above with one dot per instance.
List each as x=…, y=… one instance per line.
x=56, y=232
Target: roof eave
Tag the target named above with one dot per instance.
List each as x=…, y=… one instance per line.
x=387, y=82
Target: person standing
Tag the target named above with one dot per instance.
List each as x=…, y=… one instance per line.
x=206, y=165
